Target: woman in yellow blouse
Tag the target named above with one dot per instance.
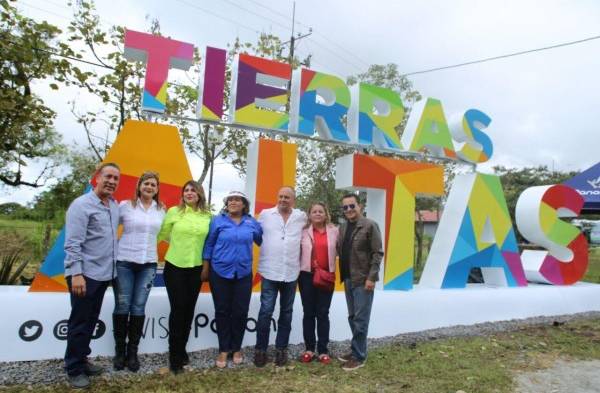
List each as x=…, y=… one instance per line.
x=185, y=228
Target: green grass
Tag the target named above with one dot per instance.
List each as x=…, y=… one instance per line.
x=480, y=364
x=593, y=271
x=28, y=236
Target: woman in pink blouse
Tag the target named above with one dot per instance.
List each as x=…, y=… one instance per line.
x=137, y=258
x=317, y=250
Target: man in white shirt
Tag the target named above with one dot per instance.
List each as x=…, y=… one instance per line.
x=279, y=266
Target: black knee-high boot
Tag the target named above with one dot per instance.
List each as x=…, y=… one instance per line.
x=136, y=326
x=120, y=334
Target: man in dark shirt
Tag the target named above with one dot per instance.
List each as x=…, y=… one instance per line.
x=360, y=249
x=345, y=251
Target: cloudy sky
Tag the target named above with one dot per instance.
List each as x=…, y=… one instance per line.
x=543, y=105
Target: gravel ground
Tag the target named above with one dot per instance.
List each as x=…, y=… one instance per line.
x=51, y=371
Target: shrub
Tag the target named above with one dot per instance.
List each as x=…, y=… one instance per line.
x=8, y=261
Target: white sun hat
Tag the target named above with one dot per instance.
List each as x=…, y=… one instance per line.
x=235, y=194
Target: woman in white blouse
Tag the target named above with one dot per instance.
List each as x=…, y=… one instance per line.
x=137, y=259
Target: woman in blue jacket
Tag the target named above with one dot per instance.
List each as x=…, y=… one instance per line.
x=228, y=251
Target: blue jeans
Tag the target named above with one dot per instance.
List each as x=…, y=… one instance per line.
x=359, y=302
x=82, y=322
x=231, y=298
x=133, y=285
x=315, y=303
x=268, y=297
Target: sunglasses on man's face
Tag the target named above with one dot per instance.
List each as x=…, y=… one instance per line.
x=351, y=206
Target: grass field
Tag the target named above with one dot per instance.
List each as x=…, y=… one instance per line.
x=481, y=364
x=593, y=271
x=30, y=236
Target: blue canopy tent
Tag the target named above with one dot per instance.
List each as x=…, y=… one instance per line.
x=587, y=184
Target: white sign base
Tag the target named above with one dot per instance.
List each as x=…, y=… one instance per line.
x=33, y=324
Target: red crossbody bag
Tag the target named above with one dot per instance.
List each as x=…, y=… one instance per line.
x=322, y=279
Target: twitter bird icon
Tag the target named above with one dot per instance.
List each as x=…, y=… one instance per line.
x=30, y=330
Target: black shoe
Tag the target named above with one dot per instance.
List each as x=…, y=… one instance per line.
x=281, y=357
x=120, y=334
x=175, y=363
x=176, y=369
x=260, y=358
x=90, y=369
x=185, y=358
x=136, y=326
x=80, y=381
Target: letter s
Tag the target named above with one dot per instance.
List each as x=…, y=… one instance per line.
x=467, y=128
x=537, y=215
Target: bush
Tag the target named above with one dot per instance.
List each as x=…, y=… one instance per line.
x=11, y=267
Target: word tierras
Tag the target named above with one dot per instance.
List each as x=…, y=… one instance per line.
x=319, y=102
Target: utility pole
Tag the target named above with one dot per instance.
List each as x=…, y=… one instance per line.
x=292, y=43
x=292, y=38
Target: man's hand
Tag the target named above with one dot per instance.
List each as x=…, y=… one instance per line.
x=369, y=285
x=78, y=285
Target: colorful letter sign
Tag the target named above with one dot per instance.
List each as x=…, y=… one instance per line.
x=538, y=218
x=319, y=103
x=210, y=104
x=391, y=187
x=160, y=54
x=375, y=113
x=427, y=129
x=475, y=231
x=258, y=93
x=477, y=145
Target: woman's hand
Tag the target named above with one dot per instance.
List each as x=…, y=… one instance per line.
x=205, y=269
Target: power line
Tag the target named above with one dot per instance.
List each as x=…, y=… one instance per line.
x=276, y=12
x=333, y=52
x=315, y=31
x=54, y=52
x=504, y=56
x=341, y=47
x=237, y=23
x=487, y=59
x=45, y=10
x=101, y=20
x=257, y=14
x=58, y=4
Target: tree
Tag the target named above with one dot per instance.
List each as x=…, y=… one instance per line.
x=26, y=123
x=515, y=181
x=388, y=76
x=12, y=210
x=53, y=203
x=316, y=176
x=115, y=81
